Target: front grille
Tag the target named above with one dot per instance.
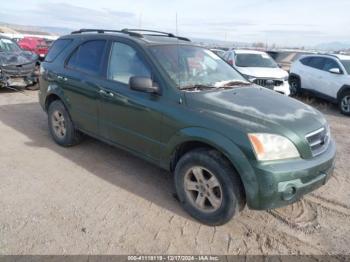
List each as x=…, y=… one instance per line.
x=18, y=70
x=268, y=83
x=318, y=140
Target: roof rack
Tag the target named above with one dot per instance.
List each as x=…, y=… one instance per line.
x=102, y=31
x=155, y=33
x=132, y=32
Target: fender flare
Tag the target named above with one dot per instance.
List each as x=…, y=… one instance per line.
x=224, y=145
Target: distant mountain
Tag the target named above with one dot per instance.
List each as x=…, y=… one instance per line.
x=44, y=29
x=333, y=46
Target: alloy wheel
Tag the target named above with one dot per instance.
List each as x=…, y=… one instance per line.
x=203, y=189
x=345, y=104
x=58, y=124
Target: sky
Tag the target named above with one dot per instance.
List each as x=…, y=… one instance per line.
x=281, y=22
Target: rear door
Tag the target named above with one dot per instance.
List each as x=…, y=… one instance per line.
x=130, y=118
x=313, y=71
x=80, y=80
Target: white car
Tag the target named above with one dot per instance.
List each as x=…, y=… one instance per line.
x=325, y=76
x=258, y=67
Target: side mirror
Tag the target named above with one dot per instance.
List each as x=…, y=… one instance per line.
x=335, y=71
x=143, y=84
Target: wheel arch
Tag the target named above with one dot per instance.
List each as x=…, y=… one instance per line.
x=54, y=93
x=342, y=90
x=192, y=138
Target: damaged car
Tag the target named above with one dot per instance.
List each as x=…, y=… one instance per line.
x=18, y=68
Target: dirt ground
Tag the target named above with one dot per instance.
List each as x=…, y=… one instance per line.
x=96, y=199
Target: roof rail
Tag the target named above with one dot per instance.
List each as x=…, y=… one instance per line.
x=102, y=31
x=154, y=33
x=131, y=32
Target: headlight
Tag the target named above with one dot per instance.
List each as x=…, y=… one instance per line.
x=272, y=147
x=250, y=78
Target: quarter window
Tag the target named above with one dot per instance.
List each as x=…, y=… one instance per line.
x=88, y=57
x=125, y=62
x=57, y=47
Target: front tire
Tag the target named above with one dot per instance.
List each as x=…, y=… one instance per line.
x=344, y=103
x=295, y=86
x=61, y=126
x=208, y=187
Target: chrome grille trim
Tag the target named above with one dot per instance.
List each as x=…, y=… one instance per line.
x=265, y=82
x=318, y=140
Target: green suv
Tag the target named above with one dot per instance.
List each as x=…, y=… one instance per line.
x=227, y=142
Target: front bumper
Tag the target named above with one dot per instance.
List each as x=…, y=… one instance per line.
x=285, y=182
x=18, y=79
x=283, y=89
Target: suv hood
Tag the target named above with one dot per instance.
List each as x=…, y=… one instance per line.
x=263, y=72
x=17, y=58
x=258, y=109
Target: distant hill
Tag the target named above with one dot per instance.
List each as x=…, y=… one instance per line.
x=333, y=46
x=37, y=29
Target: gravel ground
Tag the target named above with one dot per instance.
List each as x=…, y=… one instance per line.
x=96, y=199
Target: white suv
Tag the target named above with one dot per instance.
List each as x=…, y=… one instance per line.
x=258, y=67
x=325, y=76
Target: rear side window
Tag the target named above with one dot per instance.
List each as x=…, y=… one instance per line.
x=317, y=62
x=305, y=60
x=57, y=47
x=88, y=57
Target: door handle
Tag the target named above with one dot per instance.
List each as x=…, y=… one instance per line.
x=62, y=78
x=106, y=93
x=103, y=92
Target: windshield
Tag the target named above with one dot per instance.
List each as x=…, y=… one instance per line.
x=346, y=64
x=7, y=45
x=255, y=60
x=189, y=66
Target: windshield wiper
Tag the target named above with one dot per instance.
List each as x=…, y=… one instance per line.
x=232, y=83
x=196, y=87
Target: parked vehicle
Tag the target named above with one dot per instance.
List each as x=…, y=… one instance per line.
x=219, y=52
x=284, y=59
x=227, y=141
x=17, y=67
x=259, y=68
x=34, y=44
x=325, y=76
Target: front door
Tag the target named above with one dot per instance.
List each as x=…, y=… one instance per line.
x=129, y=118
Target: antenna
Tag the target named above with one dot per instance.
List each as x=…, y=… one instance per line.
x=176, y=29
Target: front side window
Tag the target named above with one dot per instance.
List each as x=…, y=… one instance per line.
x=191, y=65
x=88, y=57
x=346, y=64
x=255, y=60
x=125, y=62
x=330, y=64
x=7, y=45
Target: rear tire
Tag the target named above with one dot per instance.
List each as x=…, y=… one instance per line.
x=344, y=103
x=294, y=85
x=208, y=187
x=33, y=87
x=61, y=126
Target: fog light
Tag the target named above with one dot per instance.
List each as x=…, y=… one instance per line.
x=289, y=193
